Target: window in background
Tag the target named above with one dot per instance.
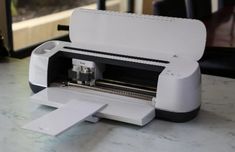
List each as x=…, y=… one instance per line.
x=28, y=9
x=35, y=21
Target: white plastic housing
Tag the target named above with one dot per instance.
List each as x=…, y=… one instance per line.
x=38, y=67
x=138, y=35
x=179, y=87
x=181, y=42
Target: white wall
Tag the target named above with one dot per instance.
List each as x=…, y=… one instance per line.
x=214, y=5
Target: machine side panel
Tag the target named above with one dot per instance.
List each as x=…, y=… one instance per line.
x=179, y=87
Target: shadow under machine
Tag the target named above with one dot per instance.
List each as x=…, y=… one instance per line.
x=124, y=67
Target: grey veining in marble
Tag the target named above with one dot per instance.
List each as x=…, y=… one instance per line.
x=212, y=130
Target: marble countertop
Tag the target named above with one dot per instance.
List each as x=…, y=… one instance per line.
x=212, y=130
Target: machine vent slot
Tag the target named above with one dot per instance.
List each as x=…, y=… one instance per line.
x=118, y=55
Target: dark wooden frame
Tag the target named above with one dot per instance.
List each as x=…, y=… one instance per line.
x=8, y=22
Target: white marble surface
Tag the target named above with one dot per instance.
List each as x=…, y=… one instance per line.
x=212, y=130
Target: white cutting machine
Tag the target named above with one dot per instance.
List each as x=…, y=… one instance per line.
x=124, y=67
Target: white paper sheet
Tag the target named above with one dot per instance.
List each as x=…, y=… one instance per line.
x=65, y=117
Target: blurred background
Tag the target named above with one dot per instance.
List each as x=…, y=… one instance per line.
x=24, y=24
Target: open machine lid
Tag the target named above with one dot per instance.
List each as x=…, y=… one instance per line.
x=138, y=35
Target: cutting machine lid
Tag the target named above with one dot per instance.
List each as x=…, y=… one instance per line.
x=138, y=35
